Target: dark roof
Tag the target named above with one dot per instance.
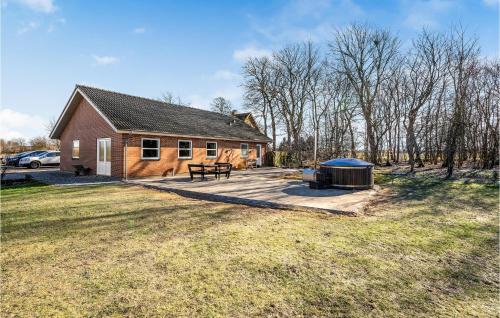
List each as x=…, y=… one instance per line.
x=242, y=116
x=346, y=162
x=127, y=112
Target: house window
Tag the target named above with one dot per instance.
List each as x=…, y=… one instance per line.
x=75, y=152
x=150, y=148
x=244, y=150
x=185, y=148
x=211, y=149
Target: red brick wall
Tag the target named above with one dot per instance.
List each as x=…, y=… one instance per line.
x=87, y=126
x=227, y=151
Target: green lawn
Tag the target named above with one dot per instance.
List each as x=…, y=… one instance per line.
x=426, y=248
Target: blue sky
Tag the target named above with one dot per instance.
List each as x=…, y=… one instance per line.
x=194, y=49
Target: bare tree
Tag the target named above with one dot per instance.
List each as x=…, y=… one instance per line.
x=341, y=110
x=462, y=59
x=365, y=56
x=423, y=69
x=13, y=146
x=392, y=99
x=260, y=92
x=52, y=143
x=487, y=100
x=169, y=97
x=221, y=105
x=294, y=66
x=39, y=143
x=320, y=96
x=19, y=144
x=435, y=102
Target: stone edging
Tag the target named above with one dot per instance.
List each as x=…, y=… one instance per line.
x=234, y=200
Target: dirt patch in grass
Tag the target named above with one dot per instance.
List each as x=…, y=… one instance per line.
x=430, y=248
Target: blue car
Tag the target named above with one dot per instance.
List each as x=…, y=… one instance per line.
x=11, y=159
x=14, y=160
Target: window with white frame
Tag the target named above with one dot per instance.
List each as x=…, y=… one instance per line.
x=244, y=150
x=211, y=149
x=75, y=152
x=185, y=148
x=150, y=148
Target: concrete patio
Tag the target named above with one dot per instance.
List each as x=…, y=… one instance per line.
x=269, y=187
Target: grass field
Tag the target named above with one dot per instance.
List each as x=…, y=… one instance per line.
x=426, y=248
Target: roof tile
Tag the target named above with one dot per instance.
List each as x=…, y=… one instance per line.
x=128, y=112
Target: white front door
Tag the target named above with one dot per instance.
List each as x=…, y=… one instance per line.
x=104, y=156
x=259, y=156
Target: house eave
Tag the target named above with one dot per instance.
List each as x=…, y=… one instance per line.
x=155, y=133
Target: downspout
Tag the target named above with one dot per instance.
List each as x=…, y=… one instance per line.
x=125, y=151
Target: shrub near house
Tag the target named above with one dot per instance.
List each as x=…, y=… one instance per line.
x=123, y=135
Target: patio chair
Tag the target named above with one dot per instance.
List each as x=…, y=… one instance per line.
x=251, y=163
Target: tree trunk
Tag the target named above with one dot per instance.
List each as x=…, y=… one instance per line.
x=353, y=143
x=410, y=144
x=372, y=142
x=316, y=136
x=273, y=128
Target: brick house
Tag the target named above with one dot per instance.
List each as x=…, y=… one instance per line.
x=128, y=136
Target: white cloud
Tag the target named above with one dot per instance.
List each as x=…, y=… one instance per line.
x=241, y=55
x=15, y=124
x=425, y=13
x=491, y=3
x=46, y=6
x=139, y=30
x=418, y=21
x=303, y=20
x=302, y=8
x=233, y=93
x=225, y=75
x=105, y=60
x=199, y=101
x=54, y=24
x=26, y=27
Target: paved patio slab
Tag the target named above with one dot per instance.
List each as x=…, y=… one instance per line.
x=264, y=187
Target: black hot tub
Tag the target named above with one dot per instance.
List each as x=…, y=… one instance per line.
x=345, y=173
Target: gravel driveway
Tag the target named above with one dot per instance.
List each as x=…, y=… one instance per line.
x=52, y=175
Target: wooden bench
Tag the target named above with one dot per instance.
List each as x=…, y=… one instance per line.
x=202, y=170
x=217, y=169
x=81, y=170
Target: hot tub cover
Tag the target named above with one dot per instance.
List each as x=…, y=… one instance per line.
x=346, y=162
